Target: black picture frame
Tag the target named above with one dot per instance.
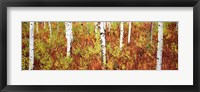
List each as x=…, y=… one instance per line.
x=99, y=3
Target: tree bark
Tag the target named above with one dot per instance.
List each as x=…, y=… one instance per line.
x=95, y=27
x=44, y=25
x=129, y=32
x=104, y=25
x=50, y=29
x=69, y=36
x=109, y=26
x=37, y=26
x=57, y=26
x=31, y=46
x=160, y=46
x=121, y=35
x=151, y=30
x=177, y=26
x=103, y=41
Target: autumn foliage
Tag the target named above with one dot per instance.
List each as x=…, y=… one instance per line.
x=139, y=54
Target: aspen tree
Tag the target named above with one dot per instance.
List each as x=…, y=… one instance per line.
x=160, y=46
x=37, y=26
x=103, y=41
x=177, y=26
x=31, y=46
x=104, y=25
x=95, y=27
x=151, y=30
x=69, y=36
x=121, y=35
x=129, y=31
x=50, y=29
x=57, y=26
x=44, y=25
x=109, y=26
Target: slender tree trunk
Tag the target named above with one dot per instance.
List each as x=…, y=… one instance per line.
x=44, y=25
x=160, y=46
x=69, y=36
x=95, y=27
x=109, y=26
x=87, y=28
x=151, y=30
x=121, y=35
x=57, y=26
x=37, y=26
x=129, y=32
x=50, y=29
x=104, y=25
x=103, y=41
x=31, y=46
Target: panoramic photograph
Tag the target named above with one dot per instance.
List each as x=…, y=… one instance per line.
x=99, y=45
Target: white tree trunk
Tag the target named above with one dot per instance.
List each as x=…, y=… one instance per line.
x=37, y=26
x=109, y=26
x=50, y=29
x=104, y=25
x=160, y=45
x=44, y=25
x=95, y=27
x=103, y=41
x=57, y=26
x=69, y=36
x=87, y=27
x=31, y=46
x=151, y=29
x=121, y=35
x=129, y=32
